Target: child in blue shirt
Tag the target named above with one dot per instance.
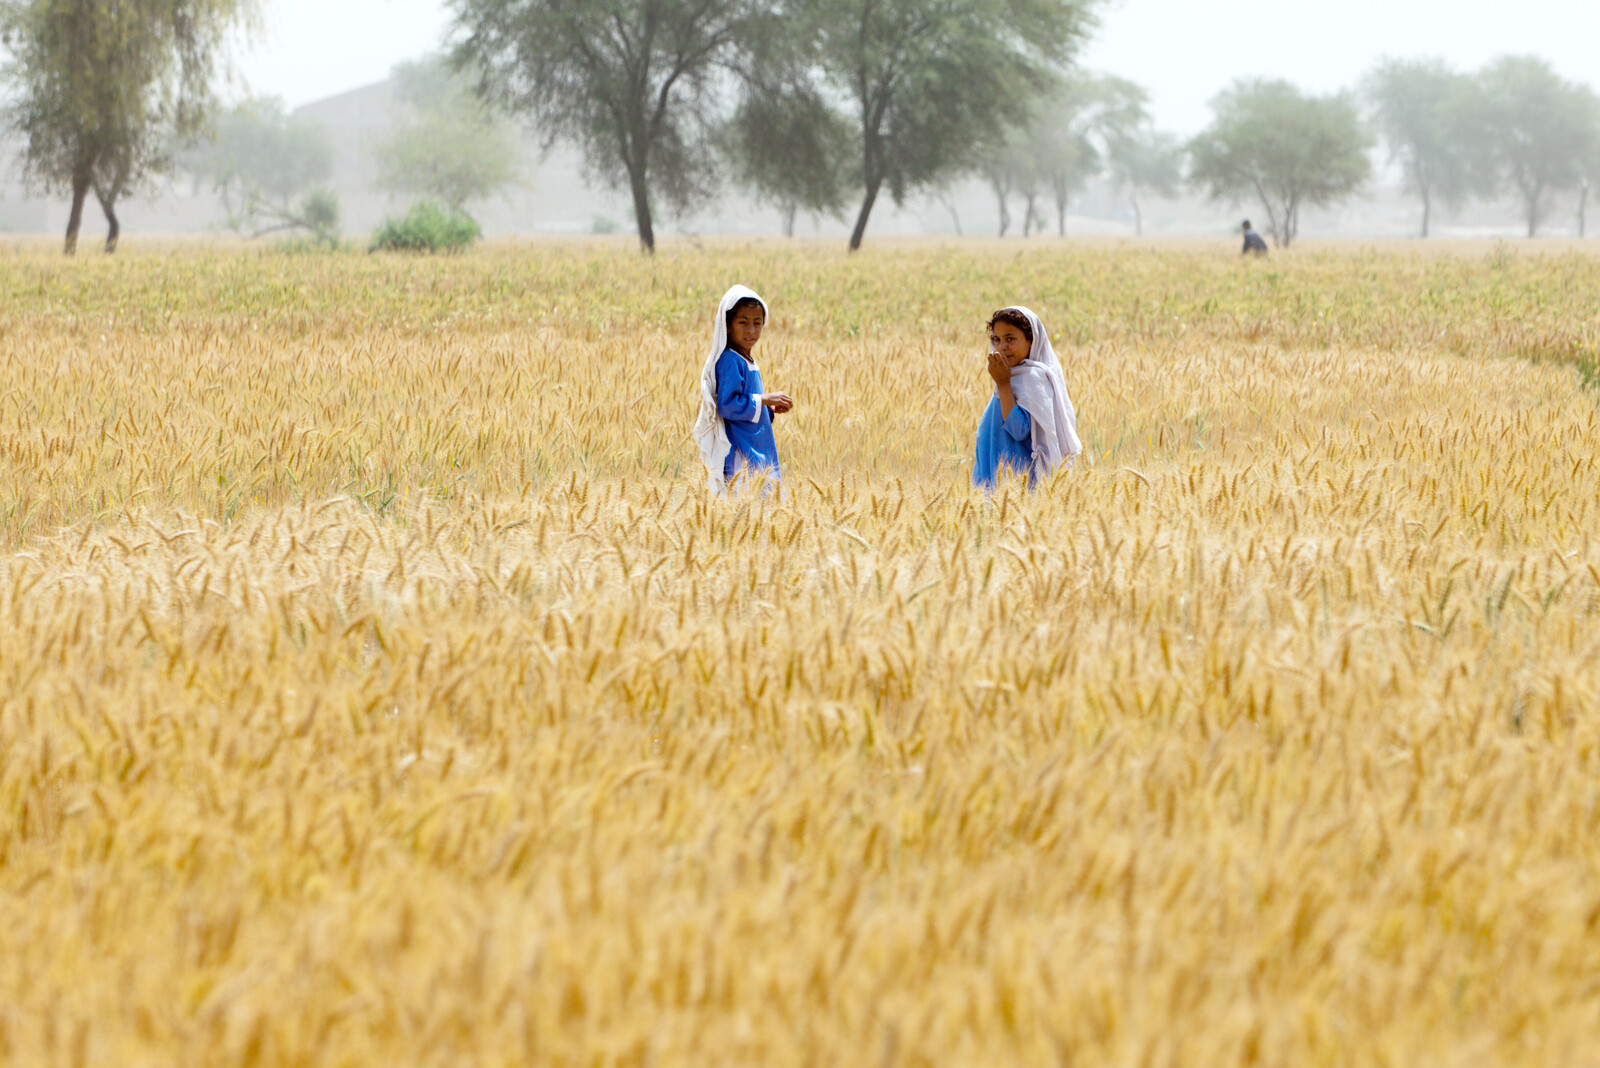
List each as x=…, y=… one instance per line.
x=1030, y=426
x=734, y=428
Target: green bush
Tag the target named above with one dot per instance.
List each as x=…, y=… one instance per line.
x=311, y=246
x=428, y=227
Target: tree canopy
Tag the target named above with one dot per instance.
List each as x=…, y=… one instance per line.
x=448, y=145
x=1425, y=113
x=266, y=166
x=929, y=82
x=633, y=83
x=1271, y=142
x=1076, y=133
x=1539, y=130
x=788, y=147
x=1144, y=160
x=103, y=91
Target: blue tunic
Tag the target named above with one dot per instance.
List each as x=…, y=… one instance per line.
x=1007, y=442
x=748, y=422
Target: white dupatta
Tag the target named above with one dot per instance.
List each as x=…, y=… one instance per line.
x=1041, y=390
x=709, y=432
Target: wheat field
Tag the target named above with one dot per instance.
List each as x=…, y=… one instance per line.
x=378, y=685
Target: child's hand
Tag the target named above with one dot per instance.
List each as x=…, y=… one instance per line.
x=778, y=402
x=999, y=370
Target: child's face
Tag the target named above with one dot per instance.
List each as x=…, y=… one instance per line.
x=1009, y=342
x=744, y=329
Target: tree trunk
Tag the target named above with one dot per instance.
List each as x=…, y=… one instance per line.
x=867, y=201
x=1427, y=210
x=80, y=191
x=641, y=209
x=1000, y=199
x=1583, y=203
x=1532, y=204
x=789, y=211
x=1272, y=216
x=955, y=220
x=108, y=204
x=1138, y=216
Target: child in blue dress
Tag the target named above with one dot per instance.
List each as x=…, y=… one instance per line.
x=1030, y=426
x=734, y=428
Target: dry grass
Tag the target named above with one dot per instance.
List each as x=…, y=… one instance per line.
x=377, y=687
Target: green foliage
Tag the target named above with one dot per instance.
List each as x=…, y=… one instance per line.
x=264, y=164
x=791, y=149
x=1541, y=132
x=1144, y=160
x=313, y=245
x=257, y=146
x=1271, y=142
x=1009, y=167
x=930, y=83
x=1078, y=130
x=1069, y=137
x=1429, y=116
x=632, y=83
x=428, y=227
x=100, y=91
x=449, y=146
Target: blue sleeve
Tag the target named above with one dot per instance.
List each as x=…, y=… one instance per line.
x=1018, y=425
x=734, y=402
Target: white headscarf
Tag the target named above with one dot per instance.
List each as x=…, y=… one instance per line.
x=709, y=432
x=1040, y=389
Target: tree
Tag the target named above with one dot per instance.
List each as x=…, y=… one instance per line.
x=631, y=82
x=1074, y=137
x=1425, y=112
x=1006, y=167
x=1063, y=144
x=266, y=165
x=1587, y=179
x=449, y=146
x=927, y=80
x=1286, y=149
x=101, y=91
x=1144, y=160
x=791, y=149
x=1539, y=129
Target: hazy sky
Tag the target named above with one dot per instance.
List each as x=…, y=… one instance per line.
x=1183, y=51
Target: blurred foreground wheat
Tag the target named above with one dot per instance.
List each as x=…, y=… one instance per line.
x=377, y=686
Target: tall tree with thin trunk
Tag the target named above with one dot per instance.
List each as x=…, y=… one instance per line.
x=1539, y=129
x=633, y=83
x=1272, y=143
x=1144, y=160
x=1425, y=114
x=101, y=92
x=927, y=81
x=446, y=144
x=1074, y=130
x=789, y=148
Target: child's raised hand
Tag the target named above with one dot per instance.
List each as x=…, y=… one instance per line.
x=778, y=402
x=999, y=370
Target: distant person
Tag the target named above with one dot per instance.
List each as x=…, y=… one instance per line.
x=1253, y=244
x=1029, y=426
x=734, y=428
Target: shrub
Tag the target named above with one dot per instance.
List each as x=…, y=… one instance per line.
x=427, y=227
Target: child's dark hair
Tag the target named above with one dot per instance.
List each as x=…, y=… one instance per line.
x=1016, y=319
x=742, y=302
